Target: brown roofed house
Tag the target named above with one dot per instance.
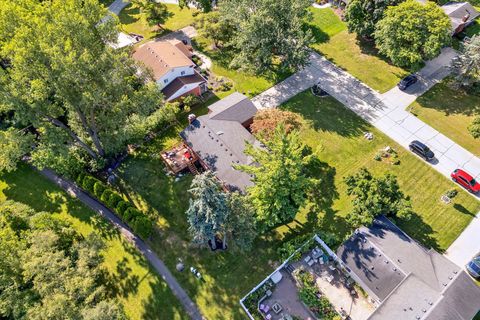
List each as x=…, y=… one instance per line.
x=172, y=67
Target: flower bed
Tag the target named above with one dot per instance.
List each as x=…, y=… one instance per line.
x=251, y=302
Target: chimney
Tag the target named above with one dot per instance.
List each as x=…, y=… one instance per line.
x=191, y=118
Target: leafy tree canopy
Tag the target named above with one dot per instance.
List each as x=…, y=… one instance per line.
x=85, y=99
x=268, y=32
x=412, y=32
x=213, y=26
x=374, y=196
x=48, y=271
x=363, y=15
x=14, y=145
x=281, y=183
x=204, y=5
x=155, y=11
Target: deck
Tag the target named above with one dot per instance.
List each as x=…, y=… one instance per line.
x=180, y=158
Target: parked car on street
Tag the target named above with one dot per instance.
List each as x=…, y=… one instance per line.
x=422, y=150
x=407, y=81
x=473, y=267
x=465, y=180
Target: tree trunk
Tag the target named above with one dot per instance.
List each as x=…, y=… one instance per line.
x=214, y=243
x=224, y=242
x=82, y=144
x=91, y=132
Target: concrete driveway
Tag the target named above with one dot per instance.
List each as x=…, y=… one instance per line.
x=434, y=71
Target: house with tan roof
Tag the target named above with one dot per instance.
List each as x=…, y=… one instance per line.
x=172, y=68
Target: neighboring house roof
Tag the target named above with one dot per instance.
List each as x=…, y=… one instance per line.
x=220, y=141
x=179, y=82
x=410, y=281
x=163, y=56
x=460, y=13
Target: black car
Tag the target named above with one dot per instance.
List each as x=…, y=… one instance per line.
x=421, y=149
x=407, y=82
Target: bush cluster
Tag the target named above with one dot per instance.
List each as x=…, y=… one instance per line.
x=140, y=223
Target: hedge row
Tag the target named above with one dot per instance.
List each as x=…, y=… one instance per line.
x=140, y=223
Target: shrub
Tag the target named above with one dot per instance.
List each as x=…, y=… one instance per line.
x=80, y=178
x=474, y=127
x=89, y=183
x=142, y=226
x=121, y=207
x=113, y=200
x=131, y=214
x=451, y=193
x=98, y=189
x=105, y=196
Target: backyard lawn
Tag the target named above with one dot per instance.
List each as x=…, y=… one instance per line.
x=336, y=135
x=344, y=49
x=450, y=112
x=142, y=292
x=133, y=21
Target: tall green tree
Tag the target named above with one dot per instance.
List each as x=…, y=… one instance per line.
x=281, y=183
x=208, y=210
x=204, y=5
x=86, y=100
x=214, y=214
x=268, y=32
x=374, y=196
x=48, y=271
x=466, y=66
x=155, y=12
x=213, y=26
x=412, y=32
x=14, y=144
x=363, y=15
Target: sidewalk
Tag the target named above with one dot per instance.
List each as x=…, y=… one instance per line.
x=189, y=306
x=387, y=113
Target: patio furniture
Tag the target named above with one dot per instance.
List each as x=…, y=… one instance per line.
x=277, y=308
x=329, y=278
x=332, y=267
x=307, y=259
x=311, y=262
x=268, y=316
x=322, y=261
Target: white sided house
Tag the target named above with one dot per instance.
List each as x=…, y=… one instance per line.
x=172, y=68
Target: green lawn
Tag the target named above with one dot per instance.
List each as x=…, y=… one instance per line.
x=450, y=112
x=132, y=20
x=336, y=135
x=142, y=292
x=357, y=57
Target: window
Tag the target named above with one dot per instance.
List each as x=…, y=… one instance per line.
x=165, y=80
x=182, y=73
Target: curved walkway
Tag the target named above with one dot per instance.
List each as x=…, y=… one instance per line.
x=189, y=306
x=387, y=113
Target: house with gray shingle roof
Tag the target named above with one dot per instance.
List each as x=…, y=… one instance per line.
x=219, y=139
x=406, y=280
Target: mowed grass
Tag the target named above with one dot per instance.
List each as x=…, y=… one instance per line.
x=335, y=134
x=133, y=21
x=142, y=292
x=359, y=58
x=449, y=111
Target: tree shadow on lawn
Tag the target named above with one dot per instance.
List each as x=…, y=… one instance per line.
x=318, y=34
x=130, y=14
x=327, y=114
x=460, y=208
x=442, y=97
x=420, y=231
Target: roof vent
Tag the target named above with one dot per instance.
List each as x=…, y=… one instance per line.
x=424, y=310
x=418, y=317
x=220, y=133
x=386, y=261
x=430, y=303
x=450, y=277
x=372, y=267
x=394, y=269
x=399, y=261
x=444, y=284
